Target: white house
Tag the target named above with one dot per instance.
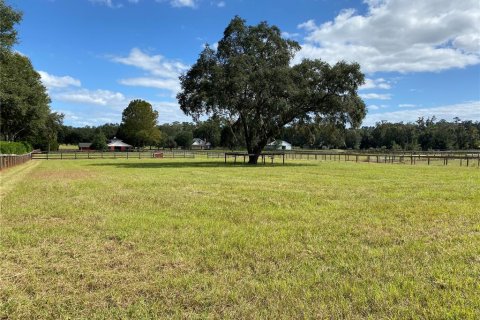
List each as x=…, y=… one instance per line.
x=200, y=144
x=279, y=145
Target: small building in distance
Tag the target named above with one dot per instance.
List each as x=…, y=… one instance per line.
x=84, y=146
x=118, y=145
x=200, y=144
x=278, y=145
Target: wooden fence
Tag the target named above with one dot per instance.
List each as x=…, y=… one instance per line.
x=77, y=155
x=461, y=159
x=469, y=160
x=11, y=160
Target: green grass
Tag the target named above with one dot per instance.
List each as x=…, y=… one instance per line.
x=198, y=239
x=68, y=147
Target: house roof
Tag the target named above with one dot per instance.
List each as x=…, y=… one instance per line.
x=84, y=145
x=198, y=142
x=279, y=143
x=118, y=143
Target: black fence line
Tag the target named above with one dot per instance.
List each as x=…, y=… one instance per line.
x=78, y=155
x=470, y=159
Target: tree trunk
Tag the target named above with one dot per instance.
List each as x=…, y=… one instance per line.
x=253, y=159
x=254, y=153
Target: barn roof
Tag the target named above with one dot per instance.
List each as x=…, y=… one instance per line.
x=118, y=143
x=84, y=145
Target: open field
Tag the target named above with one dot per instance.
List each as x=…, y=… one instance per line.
x=194, y=238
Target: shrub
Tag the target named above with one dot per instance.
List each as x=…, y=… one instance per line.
x=7, y=147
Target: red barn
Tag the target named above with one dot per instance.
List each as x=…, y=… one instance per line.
x=118, y=145
x=84, y=146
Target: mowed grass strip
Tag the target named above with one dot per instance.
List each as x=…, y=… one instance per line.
x=200, y=239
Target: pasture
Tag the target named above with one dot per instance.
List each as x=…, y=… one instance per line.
x=191, y=238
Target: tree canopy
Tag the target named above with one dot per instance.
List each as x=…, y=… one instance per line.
x=8, y=18
x=139, y=124
x=25, y=111
x=249, y=80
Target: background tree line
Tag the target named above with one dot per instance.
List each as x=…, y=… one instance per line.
x=424, y=134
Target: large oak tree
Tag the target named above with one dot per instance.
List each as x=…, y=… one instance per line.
x=250, y=81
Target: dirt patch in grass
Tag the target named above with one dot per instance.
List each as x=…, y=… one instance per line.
x=62, y=175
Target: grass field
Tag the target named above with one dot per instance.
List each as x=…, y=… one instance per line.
x=68, y=147
x=199, y=239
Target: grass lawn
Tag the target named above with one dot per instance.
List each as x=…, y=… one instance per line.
x=133, y=238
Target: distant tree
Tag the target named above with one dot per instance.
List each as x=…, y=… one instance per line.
x=352, y=139
x=99, y=141
x=209, y=131
x=329, y=136
x=110, y=130
x=49, y=134
x=139, y=124
x=170, y=143
x=250, y=80
x=184, y=139
x=162, y=140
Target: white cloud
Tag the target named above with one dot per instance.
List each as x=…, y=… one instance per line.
x=182, y=3
x=172, y=85
x=164, y=73
x=379, y=83
x=399, y=36
x=466, y=111
x=50, y=81
x=375, y=96
x=407, y=105
x=308, y=25
x=376, y=107
x=221, y=4
x=290, y=35
x=108, y=3
x=95, y=97
x=156, y=65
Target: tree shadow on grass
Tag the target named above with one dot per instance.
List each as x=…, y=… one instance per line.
x=194, y=164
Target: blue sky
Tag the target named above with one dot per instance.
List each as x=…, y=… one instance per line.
x=421, y=58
